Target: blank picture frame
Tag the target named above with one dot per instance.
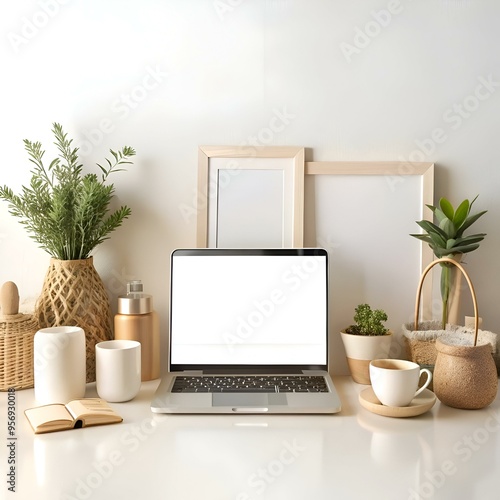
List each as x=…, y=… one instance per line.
x=250, y=197
x=363, y=213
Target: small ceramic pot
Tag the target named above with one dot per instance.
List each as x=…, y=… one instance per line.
x=465, y=376
x=361, y=349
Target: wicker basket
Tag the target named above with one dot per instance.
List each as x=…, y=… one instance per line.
x=16, y=349
x=421, y=343
x=420, y=336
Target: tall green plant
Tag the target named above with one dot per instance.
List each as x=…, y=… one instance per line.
x=65, y=212
x=447, y=239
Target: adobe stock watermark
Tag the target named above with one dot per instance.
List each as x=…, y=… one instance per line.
x=201, y=196
x=267, y=475
x=121, y=108
x=31, y=26
x=328, y=243
x=278, y=122
x=364, y=36
x=103, y=470
x=223, y=7
x=464, y=449
x=50, y=351
x=249, y=324
x=453, y=118
x=117, y=282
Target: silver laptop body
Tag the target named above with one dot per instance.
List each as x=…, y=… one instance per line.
x=247, y=313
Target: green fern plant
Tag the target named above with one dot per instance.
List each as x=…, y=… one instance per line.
x=64, y=211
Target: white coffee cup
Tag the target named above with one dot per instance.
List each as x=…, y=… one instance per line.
x=395, y=381
x=118, y=369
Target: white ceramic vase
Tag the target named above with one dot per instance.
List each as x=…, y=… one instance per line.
x=59, y=364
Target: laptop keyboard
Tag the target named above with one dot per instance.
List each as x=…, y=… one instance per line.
x=250, y=383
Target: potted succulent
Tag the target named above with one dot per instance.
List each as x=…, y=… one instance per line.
x=67, y=214
x=366, y=340
x=447, y=239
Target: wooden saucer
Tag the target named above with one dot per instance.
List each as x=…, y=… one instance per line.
x=422, y=403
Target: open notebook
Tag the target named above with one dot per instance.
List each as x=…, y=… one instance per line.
x=75, y=414
x=239, y=317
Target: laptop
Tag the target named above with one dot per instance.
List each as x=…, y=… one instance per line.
x=248, y=333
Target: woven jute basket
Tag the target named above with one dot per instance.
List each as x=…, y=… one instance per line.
x=73, y=294
x=17, y=332
x=16, y=351
x=420, y=336
x=421, y=343
x=465, y=374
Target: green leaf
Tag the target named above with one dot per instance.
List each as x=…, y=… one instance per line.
x=440, y=217
x=448, y=228
x=447, y=208
x=438, y=240
x=465, y=248
x=104, y=171
x=423, y=237
x=128, y=151
x=472, y=202
x=461, y=213
x=431, y=228
x=468, y=222
x=442, y=252
x=473, y=238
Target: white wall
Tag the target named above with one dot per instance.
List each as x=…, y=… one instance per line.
x=167, y=76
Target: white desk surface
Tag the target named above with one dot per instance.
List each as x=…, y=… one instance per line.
x=443, y=454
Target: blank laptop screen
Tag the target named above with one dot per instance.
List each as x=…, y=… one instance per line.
x=249, y=307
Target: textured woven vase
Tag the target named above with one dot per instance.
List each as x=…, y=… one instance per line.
x=73, y=294
x=465, y=376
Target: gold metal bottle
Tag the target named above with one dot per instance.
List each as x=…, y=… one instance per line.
x=136, y=320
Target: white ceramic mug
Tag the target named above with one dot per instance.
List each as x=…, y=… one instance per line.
x=59, y=364
x=118, y=369
x=395, y=381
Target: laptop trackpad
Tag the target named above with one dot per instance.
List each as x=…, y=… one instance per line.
x=247, y=399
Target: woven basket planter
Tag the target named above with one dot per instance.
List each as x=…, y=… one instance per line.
x=465, y=374
x=421, y=343
x=73, y=294
x=16, y=351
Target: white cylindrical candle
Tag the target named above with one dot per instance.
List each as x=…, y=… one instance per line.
x=59, y=364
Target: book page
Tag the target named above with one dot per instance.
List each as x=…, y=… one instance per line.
x=49, y=414
x=92, y=410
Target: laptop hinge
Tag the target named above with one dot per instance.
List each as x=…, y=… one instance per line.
x=251, y=371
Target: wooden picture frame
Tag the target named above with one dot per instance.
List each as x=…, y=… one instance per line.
x=250, y=196
x=364, y=213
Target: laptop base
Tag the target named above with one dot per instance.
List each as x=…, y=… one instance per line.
x=165, y=401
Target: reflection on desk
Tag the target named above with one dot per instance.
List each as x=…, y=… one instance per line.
x=445, y=453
